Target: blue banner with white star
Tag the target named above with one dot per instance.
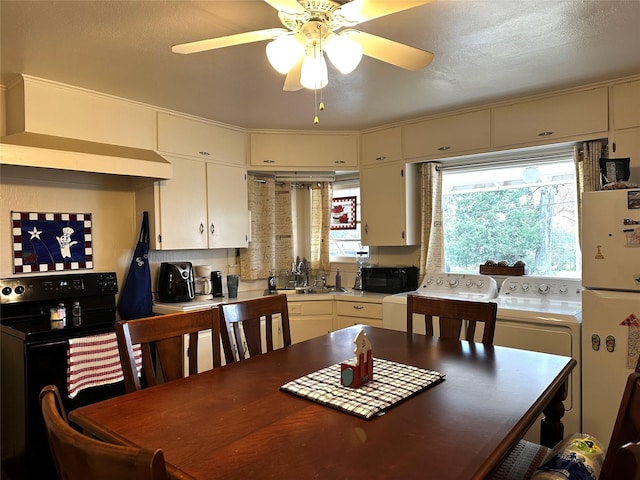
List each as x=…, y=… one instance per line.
x=45, y=242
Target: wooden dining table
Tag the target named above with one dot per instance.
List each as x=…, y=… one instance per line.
x=234, y=422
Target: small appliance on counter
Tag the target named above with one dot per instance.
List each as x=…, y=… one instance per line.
x=216, y=283
x=175, y=282
x=389, y=279
x=202, y=280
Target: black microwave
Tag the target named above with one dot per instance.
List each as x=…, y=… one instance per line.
x=389, y=279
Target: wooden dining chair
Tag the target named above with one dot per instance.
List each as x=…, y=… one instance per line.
x=250, y=326
x=453, y=316
x=621, y=460
x=79, y=457
x=161, y=340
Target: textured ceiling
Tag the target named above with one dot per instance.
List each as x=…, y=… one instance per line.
x=484, y=51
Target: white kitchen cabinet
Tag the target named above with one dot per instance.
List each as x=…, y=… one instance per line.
x=352, y=312
x=227, y=206
x=390, y=197
x=546, y=120
x=43, y=107
x=293, y=150
x=200, y=139
x=309, y=319
x=381, y=146
x=203, y=206
x=465, y=132
x=626, y=143
x=626, y=105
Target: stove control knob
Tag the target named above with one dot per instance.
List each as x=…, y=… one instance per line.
x=564, y=290
x=544, y=289
x=525, y=287
x=453, y=282
x=469, y=283
x=439, y=281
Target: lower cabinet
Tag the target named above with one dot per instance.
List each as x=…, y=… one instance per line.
x=309, y=319
x=350, y=312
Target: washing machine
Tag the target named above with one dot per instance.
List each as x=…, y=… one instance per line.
x=544, y=314
x=479, y=288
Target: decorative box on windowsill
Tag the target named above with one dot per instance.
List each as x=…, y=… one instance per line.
x=500, y=270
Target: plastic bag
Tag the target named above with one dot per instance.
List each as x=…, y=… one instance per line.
x=577, y=457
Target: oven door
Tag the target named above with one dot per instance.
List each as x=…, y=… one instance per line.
x=26, y=369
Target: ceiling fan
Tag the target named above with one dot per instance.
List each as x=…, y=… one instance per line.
x=317, y=26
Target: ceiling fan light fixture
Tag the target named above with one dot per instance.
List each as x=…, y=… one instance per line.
x=344, y=52
x=314, y=74
x=284, y=52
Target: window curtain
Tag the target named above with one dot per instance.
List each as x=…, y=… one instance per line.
x=321, y=198
x=432, y=244
x=587, y=159
x=271, y=245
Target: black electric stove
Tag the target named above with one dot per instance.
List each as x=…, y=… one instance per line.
x=35, y=355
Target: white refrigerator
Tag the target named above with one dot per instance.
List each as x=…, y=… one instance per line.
x=610, y=245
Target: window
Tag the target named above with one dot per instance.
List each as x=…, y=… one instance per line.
x=520, y=210
x=345, y=243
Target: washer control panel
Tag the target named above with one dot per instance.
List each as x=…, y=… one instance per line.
x=453, y=285
x=553, y=288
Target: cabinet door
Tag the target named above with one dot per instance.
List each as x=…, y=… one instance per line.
x=547, y=119
x=304, y=328
x=186, y=136
x=382, y=146
x=227, y=202
x=627, y=144
x=390, y=204
x=304, y=150
x=447, y=135
x=626, y=99
x=183, y=207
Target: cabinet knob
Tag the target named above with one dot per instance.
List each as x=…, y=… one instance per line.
x=201, y=228
x=545, y=134
x=212, y=229
x=204, y=153
x=358, y=307
x=366, y=228
x=444, y=148
x=381, y=157
x=339, y=162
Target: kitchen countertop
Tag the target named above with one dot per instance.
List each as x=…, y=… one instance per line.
x=206, y=301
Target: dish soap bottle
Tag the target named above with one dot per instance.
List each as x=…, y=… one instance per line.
x=338, y=280
x=271, y=283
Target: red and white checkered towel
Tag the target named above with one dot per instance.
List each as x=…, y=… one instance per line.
x=95, y=361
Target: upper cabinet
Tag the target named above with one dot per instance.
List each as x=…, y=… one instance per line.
x=548, y=119
x=382, y=146
x=292, y=150
x=466, y=132
x=48, y=108
x=626, y=105
x=200, y=139
x=390, y=195
x=203, y=206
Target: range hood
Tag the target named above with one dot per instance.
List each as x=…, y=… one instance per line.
x=47, y=151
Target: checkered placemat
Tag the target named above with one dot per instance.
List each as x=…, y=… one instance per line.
x=392, y=382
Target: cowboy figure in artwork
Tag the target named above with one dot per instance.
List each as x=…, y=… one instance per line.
x=65, y=242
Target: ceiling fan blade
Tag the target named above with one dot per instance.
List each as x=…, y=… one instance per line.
x=288, y=6
x=395, y=53
x=292, y=80
x=359, y=11
x=228, y=41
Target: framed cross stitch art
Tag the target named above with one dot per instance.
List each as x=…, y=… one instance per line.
x=44, y=242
